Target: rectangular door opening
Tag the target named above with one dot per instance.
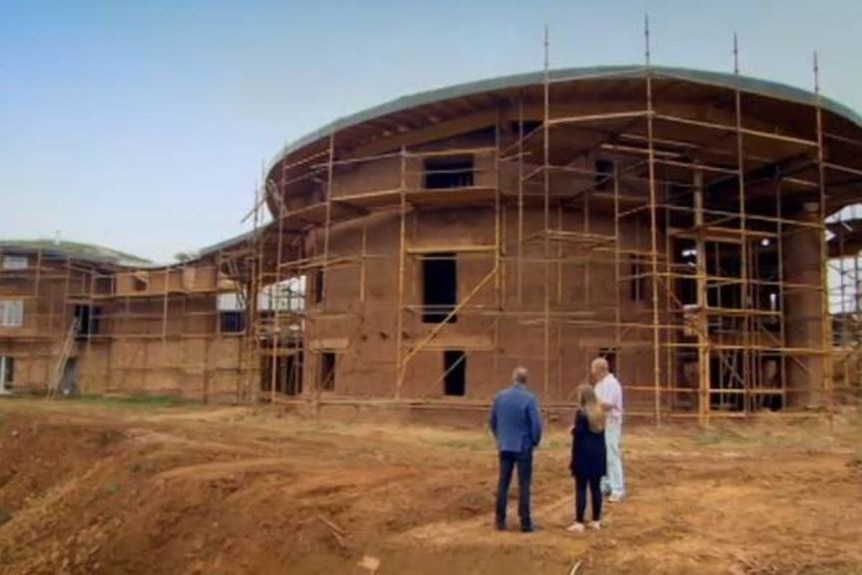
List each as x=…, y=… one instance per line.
x=7, y=371
x=326, y=374
x=439, y=287
x=455, y=368
x=287, y=373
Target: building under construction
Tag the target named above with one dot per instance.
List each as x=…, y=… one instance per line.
x=678, y=222
x=76, y=318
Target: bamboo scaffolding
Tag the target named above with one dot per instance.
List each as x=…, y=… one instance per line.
x=400, y=362
x=653, y=231
x=824, y=253
x=657, y=179
x=744, y=245
x=499, y=243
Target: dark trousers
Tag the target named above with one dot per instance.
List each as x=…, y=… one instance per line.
x=524, y=462
x=595, y=484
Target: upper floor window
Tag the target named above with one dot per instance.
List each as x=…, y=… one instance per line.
x=14, y=262
x=449, y=172
x=11, y=313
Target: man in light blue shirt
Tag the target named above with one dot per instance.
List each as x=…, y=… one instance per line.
x=517, y=427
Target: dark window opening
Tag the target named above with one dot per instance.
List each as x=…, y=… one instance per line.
x=686, y=282
x=639, y=280
x=771, y=378
x=7, y=365
x=231, y=321
x=139, y=284
x=319, y=279
x=68, y=382
x=327, y=371
x=439, y=287
x=292, y=374
x=604, y=174
x=726, y=382
x=287, y=376
x=449, y=172
x=89, y=320
x=687, y=291
x=772, y=322
x=610, y=355
x=766, y=297
x=455, y=369
x=724, y=261
x=104, y=286
x=526, y=127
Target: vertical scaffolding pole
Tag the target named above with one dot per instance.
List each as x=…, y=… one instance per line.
x=275, y=287
x=547, y=221
x=36, y=288
x=560, y=326
x=362, y=263
x=498, y=247
x=323, y=276
x=745, y=289
x=90, y=321
x=520, y=286
x=255, y=262
x=702, y=326
x=617, y=270
x=824, y=254
x=857, y=294
x=402, y=253
x=588, y=264
x=558, y=256
x=653, y=200
x=330, y=170
x=37, y=282
x=67, y=287
x=670, y=350
x=497, y=204
x=166, y=295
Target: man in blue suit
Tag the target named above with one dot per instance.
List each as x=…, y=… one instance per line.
x=517, y=427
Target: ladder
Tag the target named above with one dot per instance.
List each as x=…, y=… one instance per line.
x=65, y=352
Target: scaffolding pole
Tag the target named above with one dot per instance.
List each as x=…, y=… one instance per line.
x=547, y=217
x=653, y=202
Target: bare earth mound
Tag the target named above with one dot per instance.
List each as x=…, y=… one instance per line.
x=119, y=489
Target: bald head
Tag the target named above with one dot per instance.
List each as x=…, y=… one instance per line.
x=599, y=368
x=520, y=375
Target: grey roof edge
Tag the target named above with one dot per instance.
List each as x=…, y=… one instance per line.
x=719, y=79
x=91, y=253
x=114, y=258
x=224, y=244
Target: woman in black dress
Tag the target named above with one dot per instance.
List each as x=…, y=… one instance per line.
x=589, y=457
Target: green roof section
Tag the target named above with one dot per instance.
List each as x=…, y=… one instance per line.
x=718, y=79
x=76, y=250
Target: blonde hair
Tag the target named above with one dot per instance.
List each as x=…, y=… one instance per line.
x=589, y=405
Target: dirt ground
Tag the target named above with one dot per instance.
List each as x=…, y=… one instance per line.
x=119, y=487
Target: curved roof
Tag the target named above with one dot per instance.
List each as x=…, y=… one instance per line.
x=718, y=79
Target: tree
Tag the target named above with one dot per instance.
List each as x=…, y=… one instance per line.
x=185, y=256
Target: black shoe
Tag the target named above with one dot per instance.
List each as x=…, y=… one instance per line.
x=501, y=525
x=527, y=528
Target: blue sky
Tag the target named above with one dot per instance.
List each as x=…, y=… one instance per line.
x=144, y=125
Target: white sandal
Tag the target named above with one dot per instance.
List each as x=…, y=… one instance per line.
x=576, y=527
